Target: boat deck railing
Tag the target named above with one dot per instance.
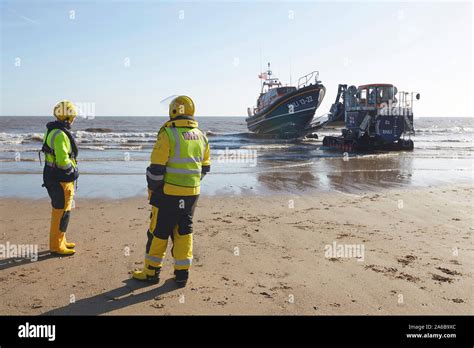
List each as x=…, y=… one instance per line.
x=305, y=80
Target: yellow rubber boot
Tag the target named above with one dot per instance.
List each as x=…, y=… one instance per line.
x=69, y=245
x=154, y=253
x=57, y=239
x=149, y=274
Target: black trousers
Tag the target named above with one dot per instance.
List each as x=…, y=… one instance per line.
x=172, y=211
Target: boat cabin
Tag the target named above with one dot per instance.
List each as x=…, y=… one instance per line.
x=273, y=94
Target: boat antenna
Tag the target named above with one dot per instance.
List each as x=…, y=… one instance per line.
x=261, y=67
x=290, y=71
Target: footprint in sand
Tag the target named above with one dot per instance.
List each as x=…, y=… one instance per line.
x=266, y=294
x=457, y=300
x=448, y=271
x=381, y=269
x=406, y=260
x=342, y=235
x=442, y=279
x=282, y=286
x=335, y=259
x=408, y=277
x=253, y=219
x=393, y=272
x=37, y=303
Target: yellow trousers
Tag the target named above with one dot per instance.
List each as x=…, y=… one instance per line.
x=182, y=249
x=62, y=194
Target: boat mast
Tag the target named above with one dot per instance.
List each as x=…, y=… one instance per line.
x=290, y=73
x=261, y=68
x=268, y=81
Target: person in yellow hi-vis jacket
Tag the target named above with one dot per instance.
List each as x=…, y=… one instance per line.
x=60, y=172
x=180, y=159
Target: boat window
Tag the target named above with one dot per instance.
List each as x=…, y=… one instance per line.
x=285, y=90
x=362, y=96
x=386, y=94
x=373, y=91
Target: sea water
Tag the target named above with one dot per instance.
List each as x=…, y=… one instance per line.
x=115, y=151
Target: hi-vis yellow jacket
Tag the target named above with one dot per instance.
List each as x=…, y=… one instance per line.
x=58, y=141
x=180, y=158
x=60, y=151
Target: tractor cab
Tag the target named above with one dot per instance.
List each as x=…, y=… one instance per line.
x=376, y=94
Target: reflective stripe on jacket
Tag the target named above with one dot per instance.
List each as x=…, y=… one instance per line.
x=60, y=145
x=187, y=146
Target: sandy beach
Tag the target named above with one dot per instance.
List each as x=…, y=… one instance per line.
x=254, y=255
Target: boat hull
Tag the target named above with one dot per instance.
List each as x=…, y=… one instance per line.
x=289, y=115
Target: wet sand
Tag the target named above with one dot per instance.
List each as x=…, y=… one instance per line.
x=254, y=255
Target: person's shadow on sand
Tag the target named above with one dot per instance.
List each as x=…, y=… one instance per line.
x=15, y=261
x=114, y=299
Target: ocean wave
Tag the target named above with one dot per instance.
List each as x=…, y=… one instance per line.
x=266, y=147
x=116, y=134
x=434, y=147
x=82, y=137
x=34, y=138
x=454, y=130
x=424, y=140
x=81, y=147
x=111, y=147
x=98, y=130
x=18, y=138
x=211, y=133
x=20, y=149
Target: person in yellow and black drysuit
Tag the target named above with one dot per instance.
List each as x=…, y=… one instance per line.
x=180, y=159
x=60, y=172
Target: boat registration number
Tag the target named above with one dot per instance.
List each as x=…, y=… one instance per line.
x=297, y=103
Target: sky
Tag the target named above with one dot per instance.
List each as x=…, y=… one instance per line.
x=123, y=57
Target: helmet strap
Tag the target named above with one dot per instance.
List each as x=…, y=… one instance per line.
x=184, y=117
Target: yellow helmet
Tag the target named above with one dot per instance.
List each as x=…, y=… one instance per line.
x=181, y=106
x=65, y=111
